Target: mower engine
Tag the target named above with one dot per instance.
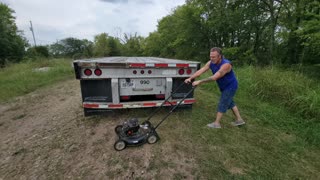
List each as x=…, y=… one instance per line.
x=131, y=126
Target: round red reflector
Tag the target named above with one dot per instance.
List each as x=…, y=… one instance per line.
x=87, y=72
x=134, y=72
x=98, y=72
x=142, y=71
x=189, y=71
x=149, y=72
x=181, y=71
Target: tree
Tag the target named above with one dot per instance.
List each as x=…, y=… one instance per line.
x=152, y=45
x=38, y=51
x=114, y=46
x=71, y=47
x=133, y=45
x=309, y=33
x=101, y=48
x=12, y=43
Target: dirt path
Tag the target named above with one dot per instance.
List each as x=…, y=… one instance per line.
x=44, y=135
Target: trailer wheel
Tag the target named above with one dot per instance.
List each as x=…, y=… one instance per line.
x=118, y=129
x=119, y=145
x=152, y=139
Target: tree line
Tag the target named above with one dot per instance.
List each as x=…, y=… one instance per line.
x=260, y=32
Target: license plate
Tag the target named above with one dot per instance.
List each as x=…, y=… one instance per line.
x=126, y=84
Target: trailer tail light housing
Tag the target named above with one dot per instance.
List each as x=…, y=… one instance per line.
x=160, y=96
x=125, y=98
x=134, y=71
x=97, y=72
x=189, y=71
x=181, y=71
x=149, y=71
x=88, y=72
x=142, y=71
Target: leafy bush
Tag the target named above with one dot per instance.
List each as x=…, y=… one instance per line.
x=240, y=57
x=38, y=52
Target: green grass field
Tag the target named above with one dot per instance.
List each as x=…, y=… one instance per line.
x=281, y=139
x=22, y=78
x=276, y=143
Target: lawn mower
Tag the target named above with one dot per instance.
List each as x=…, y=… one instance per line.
x=131, y=133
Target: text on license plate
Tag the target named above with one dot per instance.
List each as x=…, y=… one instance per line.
x=127, y=84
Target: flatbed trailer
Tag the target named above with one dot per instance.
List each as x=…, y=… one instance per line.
x=132, y=82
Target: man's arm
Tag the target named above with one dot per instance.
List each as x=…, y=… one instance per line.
x=198, y=73
x=224, y=69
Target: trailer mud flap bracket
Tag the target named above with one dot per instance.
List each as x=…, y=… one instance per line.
x=168, y=88
x=115, y=90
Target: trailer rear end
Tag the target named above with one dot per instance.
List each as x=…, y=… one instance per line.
x=132, y=82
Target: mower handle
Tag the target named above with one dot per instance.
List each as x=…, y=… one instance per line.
x=166, y=100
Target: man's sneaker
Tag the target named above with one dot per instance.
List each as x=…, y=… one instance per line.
x=213, y=125
x=238, y=123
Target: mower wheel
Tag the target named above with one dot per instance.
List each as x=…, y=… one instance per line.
x=118, y=129
x=152, y=139
x=119, y=145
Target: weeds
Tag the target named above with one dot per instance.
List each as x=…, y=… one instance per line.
x=22, y=78
x=290, y=89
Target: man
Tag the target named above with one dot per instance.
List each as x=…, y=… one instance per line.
x=222, y=73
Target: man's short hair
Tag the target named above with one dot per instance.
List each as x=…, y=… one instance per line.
x=217, y=50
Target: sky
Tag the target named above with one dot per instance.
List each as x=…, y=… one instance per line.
x=54, y=20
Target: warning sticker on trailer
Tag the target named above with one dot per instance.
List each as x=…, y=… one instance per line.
x=125, y=84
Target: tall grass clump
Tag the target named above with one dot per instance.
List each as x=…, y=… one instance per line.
x=292, y=90
x=25, y=77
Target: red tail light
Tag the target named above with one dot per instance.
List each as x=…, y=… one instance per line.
x=181, y=71
x=124, y=98
x=149, y=72
x=189, y=71
x=98, y=72
x=134, y=71
x=87, y=72
x=160, y=96
x=142, y=71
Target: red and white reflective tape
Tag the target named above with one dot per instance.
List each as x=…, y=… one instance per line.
x=160, y=65
x=97, y=105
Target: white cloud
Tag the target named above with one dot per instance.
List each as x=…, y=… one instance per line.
x=54, y=20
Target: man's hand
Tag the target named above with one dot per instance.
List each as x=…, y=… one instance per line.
x=196, y=83
x=187, y=81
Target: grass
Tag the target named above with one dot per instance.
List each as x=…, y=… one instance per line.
x=22, y=78
x=278, y=142
x=259, y=150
